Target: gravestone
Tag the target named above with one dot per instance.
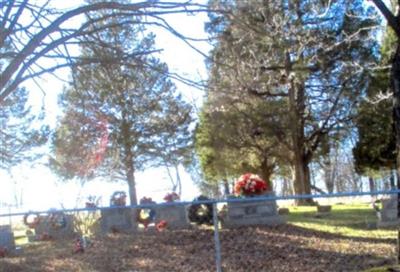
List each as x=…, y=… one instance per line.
x=175, y=215
x=56, y=230
x=7, y=238
x=261, y=212
x=387, y=216
x=118, y=220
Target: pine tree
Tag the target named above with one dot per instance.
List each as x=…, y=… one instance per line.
x=18, y=135
x=308, y=56
x=130, y=111
x=376, y=145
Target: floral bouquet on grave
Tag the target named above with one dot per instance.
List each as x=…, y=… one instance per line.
x=118, y=199
x=171, y=197
x=250, y=185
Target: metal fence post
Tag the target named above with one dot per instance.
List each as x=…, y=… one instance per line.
x=216, y=239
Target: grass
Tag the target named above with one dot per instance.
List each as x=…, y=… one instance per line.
x=384, y=269
x=351, y=220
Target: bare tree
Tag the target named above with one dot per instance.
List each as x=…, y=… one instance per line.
x=36, y=39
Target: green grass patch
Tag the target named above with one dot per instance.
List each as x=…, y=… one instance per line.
x=352, y=220
x=384, y=269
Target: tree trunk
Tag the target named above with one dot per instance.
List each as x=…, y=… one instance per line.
x=371, y=182
x=301, y=157
x=395, y=82
x=130, y=177
x=178, y=180
x=226, y=187
x=267, y=170
x=286, y=187
x=216, y=192
x=392, y=180
x=372, y=188
x=329, y=175
x=302, y=184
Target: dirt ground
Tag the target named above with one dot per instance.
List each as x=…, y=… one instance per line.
x=282, y=248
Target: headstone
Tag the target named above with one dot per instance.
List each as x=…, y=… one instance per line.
x=387, y=216
x=118, y=220
x=324, y=208
x=56, y=230
x=7, y=238
x=283, y=211
x=175, y=215
x=262, y=212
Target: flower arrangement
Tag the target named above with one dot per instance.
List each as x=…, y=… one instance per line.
x=201, y=213
x=92, y=202
x=118, y=199
x=249, y=185
x=145, y=216
x=31, y=223
x=58, y=220
x=171, y=197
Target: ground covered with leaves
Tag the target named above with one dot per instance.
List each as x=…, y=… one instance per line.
x=282, y=248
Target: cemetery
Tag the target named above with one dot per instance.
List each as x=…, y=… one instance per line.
x=200, y=135
x=125, y=236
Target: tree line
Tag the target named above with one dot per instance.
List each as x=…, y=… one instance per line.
x=292, y=87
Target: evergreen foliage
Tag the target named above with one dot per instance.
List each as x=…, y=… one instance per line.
x=147, y=122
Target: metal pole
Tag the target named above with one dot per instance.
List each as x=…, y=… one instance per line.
x=216, y=239
x=398, y=214
x=9, y=212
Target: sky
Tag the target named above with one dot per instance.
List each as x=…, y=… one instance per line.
x=39, y=189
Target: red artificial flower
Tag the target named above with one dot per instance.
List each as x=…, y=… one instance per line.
x=79, y=247
x=250, y=184
x=171, y=197
x=146, y=200
x=161, y=225
x=3, y=252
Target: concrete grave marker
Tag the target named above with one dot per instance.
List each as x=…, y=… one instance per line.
x=7, y=238
x=175, y=215
x=263, y=212
x=118, y=220
x=387, y=216
x=57, y=228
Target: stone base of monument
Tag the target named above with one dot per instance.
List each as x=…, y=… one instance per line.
x=118, y=220
x=175, y=215
x=324, y=208
x=263, y=212
x=48, y=229
x=7, y=238
x=387, y=216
